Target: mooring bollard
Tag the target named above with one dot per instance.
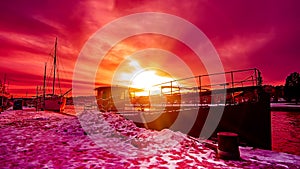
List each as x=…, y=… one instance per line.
x=228, y=146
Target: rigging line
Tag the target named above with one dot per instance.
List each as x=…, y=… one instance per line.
x=49, y=79
x=59, y=82
x=48, y=76
x=50, y=55
x=62, y=68
x=61, y=72
x=58, y=73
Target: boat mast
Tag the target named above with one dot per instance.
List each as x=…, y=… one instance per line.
x=2, y=96
x=44, y=86
x=54, y=64
x=2, y=93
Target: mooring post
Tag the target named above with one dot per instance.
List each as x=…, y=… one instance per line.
x=228, y=146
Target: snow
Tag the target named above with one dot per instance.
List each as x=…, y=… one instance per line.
x=42, y=139
x=271, y=157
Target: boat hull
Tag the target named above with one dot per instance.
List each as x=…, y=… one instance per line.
x=245, y=111
x=4, y=103
x=251, y=121
x=56, y=104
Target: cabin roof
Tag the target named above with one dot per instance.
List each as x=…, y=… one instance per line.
x=110, y=86
x=119, y=87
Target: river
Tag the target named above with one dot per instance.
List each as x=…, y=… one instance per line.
x=286, y=131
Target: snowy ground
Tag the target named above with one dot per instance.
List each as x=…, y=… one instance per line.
x=41, y=139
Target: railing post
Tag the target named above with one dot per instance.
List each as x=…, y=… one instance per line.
x=199, y=78
x=171, y=89
x=255, y=74
x=232, y=81
x=232, y=85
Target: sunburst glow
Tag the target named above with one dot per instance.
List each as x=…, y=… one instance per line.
x=147, y=80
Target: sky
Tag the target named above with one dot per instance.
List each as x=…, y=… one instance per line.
x=245, y=34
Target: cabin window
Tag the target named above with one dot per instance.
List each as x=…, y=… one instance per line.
x=122, y=96
x=103, y=94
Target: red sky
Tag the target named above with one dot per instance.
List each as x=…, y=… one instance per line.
x=261, y=34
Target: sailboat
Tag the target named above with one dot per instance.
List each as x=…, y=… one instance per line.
x=54, y=102
x=4, y=96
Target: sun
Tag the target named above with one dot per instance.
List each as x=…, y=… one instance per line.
x=147, y=79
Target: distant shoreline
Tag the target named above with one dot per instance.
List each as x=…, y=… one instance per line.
x=285, y=107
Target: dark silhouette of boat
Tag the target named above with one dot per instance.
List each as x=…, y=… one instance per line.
x=243, y=104
x=4, y=96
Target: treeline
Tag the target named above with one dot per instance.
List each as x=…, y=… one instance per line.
x=289, y=92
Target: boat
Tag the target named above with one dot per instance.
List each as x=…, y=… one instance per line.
x=4, y=97
x=246, y=106
x=54, y=102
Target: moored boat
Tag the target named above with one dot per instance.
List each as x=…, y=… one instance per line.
x=54, y=102
x=4, y=97
x=240, y=106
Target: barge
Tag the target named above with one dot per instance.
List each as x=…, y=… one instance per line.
x=240, y=105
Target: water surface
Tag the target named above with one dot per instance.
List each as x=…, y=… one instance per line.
x=286, y=131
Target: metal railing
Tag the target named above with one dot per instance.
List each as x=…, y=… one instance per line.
x=191, y=91
x=234, y=79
